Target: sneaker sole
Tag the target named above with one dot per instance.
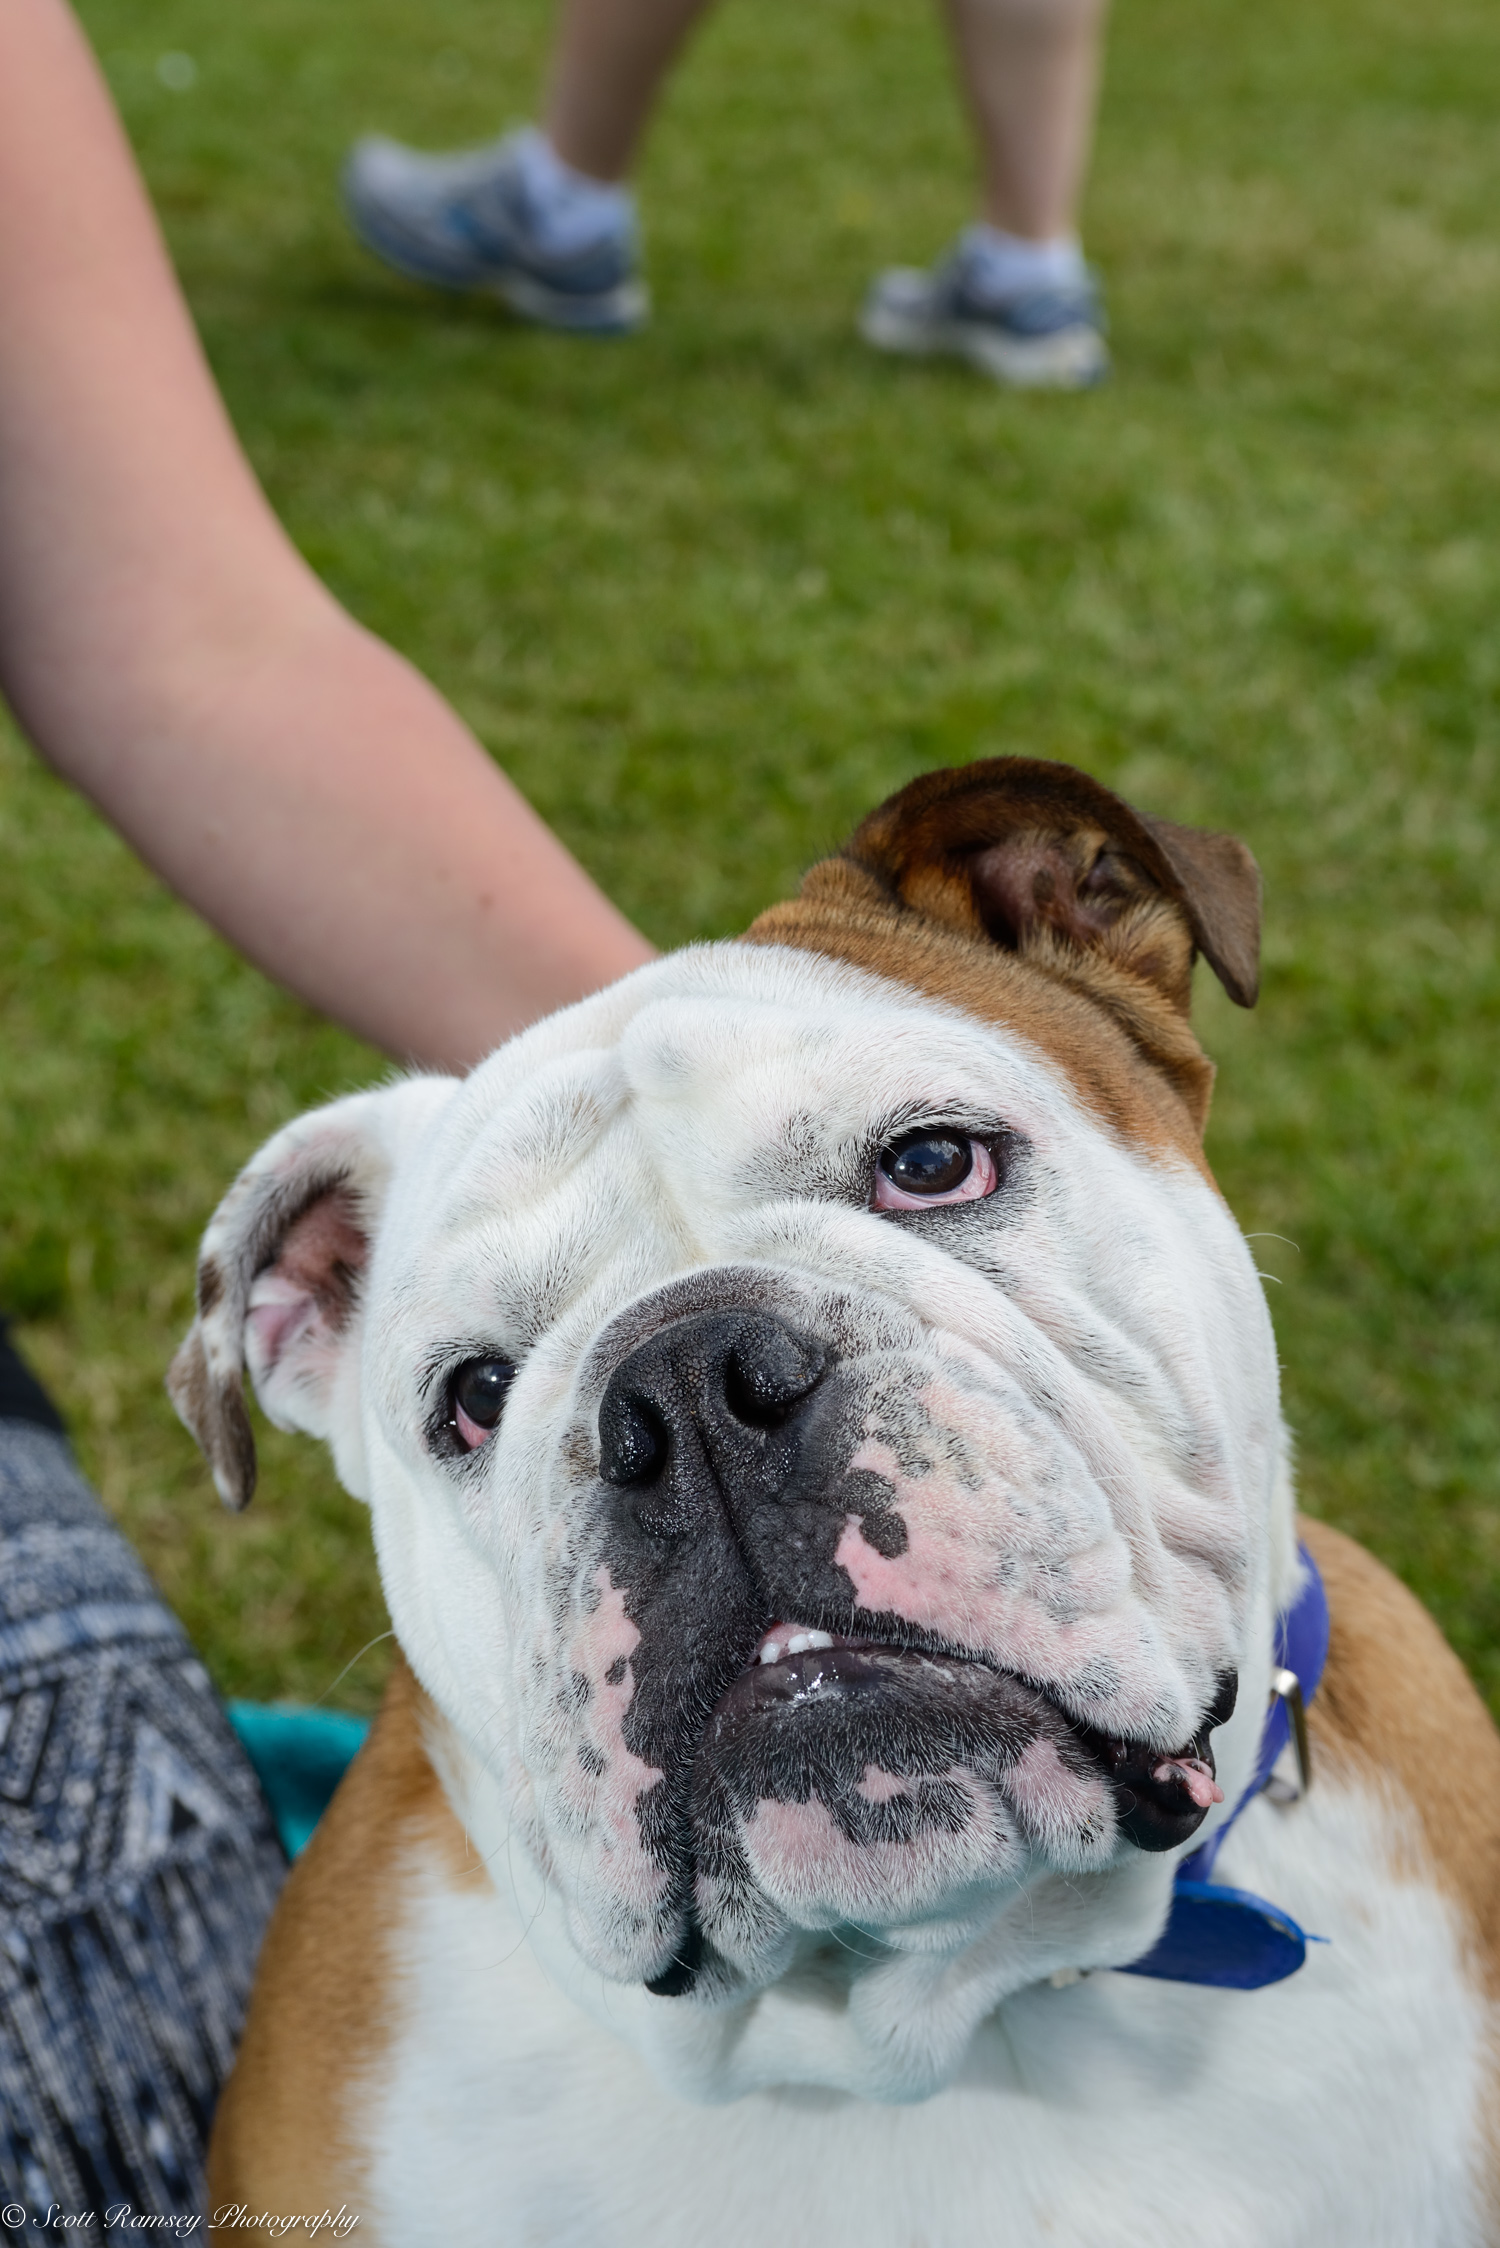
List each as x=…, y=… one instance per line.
x=613, y=312
x=1072, y=359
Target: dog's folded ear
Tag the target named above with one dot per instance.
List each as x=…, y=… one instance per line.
x=279, y=1276
x=1034, y=855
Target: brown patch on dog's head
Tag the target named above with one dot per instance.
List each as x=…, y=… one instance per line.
x=1027, y=853
x=1012, y=884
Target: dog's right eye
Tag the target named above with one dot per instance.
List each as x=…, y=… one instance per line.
x=477, y=1395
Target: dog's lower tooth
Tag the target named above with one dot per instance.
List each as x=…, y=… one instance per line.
x=795, y=1643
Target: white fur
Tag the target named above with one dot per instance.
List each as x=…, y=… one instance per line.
x=1339, y=2109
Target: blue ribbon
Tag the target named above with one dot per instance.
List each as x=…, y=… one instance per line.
x=1230, y=1938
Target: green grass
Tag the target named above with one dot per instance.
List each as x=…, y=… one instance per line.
x=710, y=594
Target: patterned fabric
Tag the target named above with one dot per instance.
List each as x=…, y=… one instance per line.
x=138, y=1861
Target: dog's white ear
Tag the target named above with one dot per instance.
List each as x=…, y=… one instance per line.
x=280, y=1271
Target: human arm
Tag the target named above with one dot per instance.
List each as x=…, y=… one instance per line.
x=168, y=651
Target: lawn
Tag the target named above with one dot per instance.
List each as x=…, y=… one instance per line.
x=711, y=593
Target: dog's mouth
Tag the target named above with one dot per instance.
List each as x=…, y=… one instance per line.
x=835, y=1763
x=1160, y=1800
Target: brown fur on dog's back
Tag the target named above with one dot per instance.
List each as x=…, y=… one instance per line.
x=325, y=2009
x=1397, y=1704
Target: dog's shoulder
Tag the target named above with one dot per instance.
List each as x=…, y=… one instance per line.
x=327, y=2003
x=1396, y=1706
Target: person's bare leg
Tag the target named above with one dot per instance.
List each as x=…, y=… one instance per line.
x=1013, y=296
x=1030, y=74
x=607, y=69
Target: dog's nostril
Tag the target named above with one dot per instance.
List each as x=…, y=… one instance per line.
x=682, y=1417
x=633, y=1443
x=770, y=1372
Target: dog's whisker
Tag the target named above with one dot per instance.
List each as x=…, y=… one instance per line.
x=380, y=1636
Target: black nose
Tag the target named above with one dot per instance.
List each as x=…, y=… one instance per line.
x=702, y=1406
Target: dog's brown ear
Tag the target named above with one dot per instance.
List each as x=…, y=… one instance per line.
x=279, y=1276
x=1034, y=855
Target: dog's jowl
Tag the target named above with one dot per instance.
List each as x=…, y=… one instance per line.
x=820, y=1422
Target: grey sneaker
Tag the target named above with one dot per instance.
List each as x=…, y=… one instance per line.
x=1047, y=339
x=468, y=222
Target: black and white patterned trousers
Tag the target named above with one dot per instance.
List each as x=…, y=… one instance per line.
x=138, y=1860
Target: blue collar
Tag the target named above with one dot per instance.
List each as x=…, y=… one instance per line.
x=1223, y=1936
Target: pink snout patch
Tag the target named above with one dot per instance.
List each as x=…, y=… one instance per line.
x=617, y=1891
x=805, y=1863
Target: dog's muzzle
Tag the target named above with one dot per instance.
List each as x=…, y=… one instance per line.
x=724, y=1443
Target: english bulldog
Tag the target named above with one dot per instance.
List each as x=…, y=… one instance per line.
x=820, y=1424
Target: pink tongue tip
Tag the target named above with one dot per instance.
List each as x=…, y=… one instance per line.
x=1195, y=1777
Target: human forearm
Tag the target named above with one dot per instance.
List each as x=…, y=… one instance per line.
x=169, y=652
x=323, y=807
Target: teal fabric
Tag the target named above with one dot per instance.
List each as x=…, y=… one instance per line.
x=300, y=1755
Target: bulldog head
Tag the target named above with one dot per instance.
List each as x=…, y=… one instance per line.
x=821, y=1426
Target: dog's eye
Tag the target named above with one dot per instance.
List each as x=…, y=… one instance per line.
x=932, y=1166
x=478, y=1396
